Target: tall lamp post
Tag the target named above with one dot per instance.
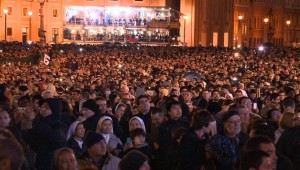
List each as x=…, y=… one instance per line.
x=266, y=21
x=42, y=30
x=288, y=23
x=184, y=23
x=240, y=17
x=30, y=14
x=5, y=20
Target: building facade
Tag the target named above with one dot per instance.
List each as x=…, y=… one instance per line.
x=229, y=23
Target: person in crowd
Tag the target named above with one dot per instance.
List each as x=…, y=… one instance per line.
x=64, y=159
x=226, y=147
x=95, y=152
x=48, y=133
x=264, y=143
x=286, y=121
x=134, y=160
x=192, y=145
x=288, y=143
x=174, y=121
x=256, y=160
x=105, y=128
x=90, y=115
x=144, y=108
x=75, y=137
x=12, y=155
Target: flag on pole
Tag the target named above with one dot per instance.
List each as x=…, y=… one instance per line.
x=46, y=59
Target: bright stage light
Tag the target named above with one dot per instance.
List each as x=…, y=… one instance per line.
x=261, y=48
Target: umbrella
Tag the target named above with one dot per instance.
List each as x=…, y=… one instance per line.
x=192, y=75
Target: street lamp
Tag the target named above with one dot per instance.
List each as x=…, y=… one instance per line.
x=288, y=23
x=266, y=21
x=5, y=12
x=184, y=22
x=42, y=30
x=29, y=14
x=240, y=17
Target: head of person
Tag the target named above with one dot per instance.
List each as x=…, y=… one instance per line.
x=138, y=136
x=174, y=109
x=231, y=123
x=35, y=101
x=95, y=144
x=50, y=106
x=76, y=130
x=273, y=115
x=89, y=108
x=262, y=130
x=186, y=95
x=245, y=101
x=105, y=125
x=157, y=117
x=244, y=113
x=238, y=94
x=11, y=155
x=64, y=159
x=134, y=160
x=275, y=99
x=143, y=104
x=288, y=105
x=253, y=93
x=4, y=119
x=163, y=92
x=119, y=110
x=286, y=120
x=265, y=144
x=256, y=160
x=136, y=122
x=201, y=122
x=102, y=104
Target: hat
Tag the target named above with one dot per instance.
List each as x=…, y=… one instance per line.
x=133, y=160
x=91, y=105
x=92, y=138
x=229, y=114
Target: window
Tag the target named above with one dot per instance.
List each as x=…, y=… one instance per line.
x=25, y=12
x=54, y=30
x=10, y=11
x=55, y=13
x=9, y=31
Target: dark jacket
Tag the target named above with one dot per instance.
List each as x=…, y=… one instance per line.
x=289, y=145
x=73, y=144
x=165, y=132
x=46, y=135
x=109, y=162
x=90, y=124
x=192, y=152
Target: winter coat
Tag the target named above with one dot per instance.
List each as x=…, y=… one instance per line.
x=109, y=162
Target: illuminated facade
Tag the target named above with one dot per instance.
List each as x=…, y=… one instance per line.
x=229, y=23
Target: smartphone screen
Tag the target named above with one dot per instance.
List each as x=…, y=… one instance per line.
x=128, y=140
x=254, y=106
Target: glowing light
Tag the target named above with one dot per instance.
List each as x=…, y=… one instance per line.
x=234, y=78
x=266, y=20
x=29, y=42
x=261, y=48
x=238, y=46
x=80, y=49
x=73, y=31
x=240, y=17
x=236, y=54
x=5, y=11
x=119, y=66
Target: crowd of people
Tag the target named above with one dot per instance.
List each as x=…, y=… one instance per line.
x=141, y=107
